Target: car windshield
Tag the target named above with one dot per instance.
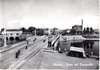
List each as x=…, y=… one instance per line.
x=75, y=54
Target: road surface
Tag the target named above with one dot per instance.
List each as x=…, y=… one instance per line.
x=7, y=57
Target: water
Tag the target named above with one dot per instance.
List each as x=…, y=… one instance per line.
x=1, y=43
x=89, y=46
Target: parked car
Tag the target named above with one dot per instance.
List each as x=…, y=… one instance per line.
x=76, y=52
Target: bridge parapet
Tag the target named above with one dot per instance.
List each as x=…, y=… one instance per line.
x=55, y=42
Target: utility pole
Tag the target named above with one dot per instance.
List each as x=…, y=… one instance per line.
x=4, y=35
x=35, y=32
x=82, y=25
x=49, y=41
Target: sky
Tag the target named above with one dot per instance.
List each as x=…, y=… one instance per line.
x=62, y=14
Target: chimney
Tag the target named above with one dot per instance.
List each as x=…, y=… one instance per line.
x=82, y=23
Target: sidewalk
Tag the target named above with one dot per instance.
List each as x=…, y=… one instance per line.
x=51, y=59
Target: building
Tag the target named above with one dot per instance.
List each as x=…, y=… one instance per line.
x=54, y=31
x=46, y=31
x=78, y=28
x=96, y=31
x=12, y=34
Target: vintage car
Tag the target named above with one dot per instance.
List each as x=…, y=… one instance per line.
x=76, y=52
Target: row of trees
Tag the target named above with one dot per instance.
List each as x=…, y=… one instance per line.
x=88, y=30
x=39, y=31
x=30, y=29
x=74, y=31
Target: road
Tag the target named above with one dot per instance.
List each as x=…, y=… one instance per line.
x=32, y=52
x=7, y=57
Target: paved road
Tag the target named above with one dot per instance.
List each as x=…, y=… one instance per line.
x=20, y=45
x=51, y=59
x=27, y=56
x=8, y=56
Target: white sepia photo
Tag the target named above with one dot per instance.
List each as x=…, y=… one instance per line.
x=49, y=34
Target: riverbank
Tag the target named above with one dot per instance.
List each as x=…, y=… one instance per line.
x=91, y=35
x=73, y=37
x=80, y=37
x=95, y=39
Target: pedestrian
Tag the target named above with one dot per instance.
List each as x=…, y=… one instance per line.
x=26, y=44
x=18, y=52
x=35, y=38
x=16, y=55
x=26, y=47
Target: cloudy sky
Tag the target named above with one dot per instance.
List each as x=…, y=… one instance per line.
x=48, y=13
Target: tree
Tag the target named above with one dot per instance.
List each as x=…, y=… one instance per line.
x=23, y=29
x=72, y=31
x=87, y=30
x=2, y=29
x=39, y=31
x=91, y=30
x=31, y=29
x=84, y=31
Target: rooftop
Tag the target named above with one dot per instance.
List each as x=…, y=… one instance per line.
x=13, y=30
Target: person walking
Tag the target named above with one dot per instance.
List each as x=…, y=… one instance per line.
x=18, y=52
x=26, y=44
x=16, y=55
